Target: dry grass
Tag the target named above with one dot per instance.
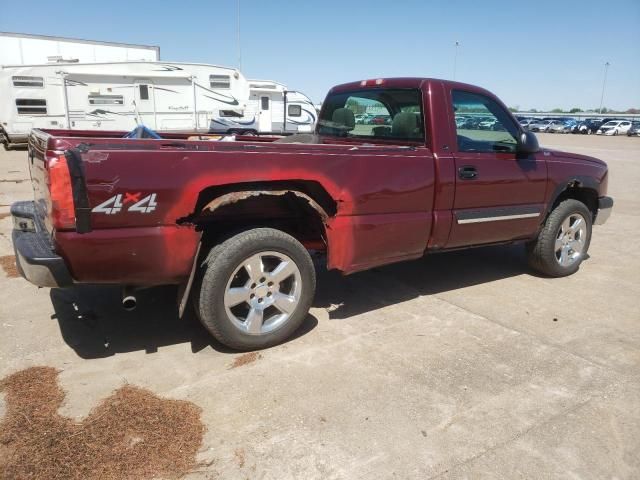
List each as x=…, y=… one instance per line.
x=8, y=264
x=132, y=434
x=245, y=359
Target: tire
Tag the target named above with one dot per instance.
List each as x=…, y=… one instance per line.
x=557, y=252
x=615, y=132
x=271, y=303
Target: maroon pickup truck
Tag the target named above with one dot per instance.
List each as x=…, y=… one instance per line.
x=235, y=223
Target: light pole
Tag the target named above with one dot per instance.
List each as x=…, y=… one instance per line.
x=239, y=47
x=604, y=82
x=455, y=60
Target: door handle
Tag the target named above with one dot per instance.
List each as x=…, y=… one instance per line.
x=467, y=172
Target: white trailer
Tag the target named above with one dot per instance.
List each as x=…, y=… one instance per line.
x=26, y=49
x=272, y=108
x=172, y=97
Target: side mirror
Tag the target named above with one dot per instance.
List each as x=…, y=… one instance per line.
x=528, y=143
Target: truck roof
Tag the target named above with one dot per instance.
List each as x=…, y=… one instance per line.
x=405, y=82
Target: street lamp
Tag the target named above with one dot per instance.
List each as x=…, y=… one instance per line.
x=455, y=60
x=604, y=82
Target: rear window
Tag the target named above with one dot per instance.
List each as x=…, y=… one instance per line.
x=394, y=114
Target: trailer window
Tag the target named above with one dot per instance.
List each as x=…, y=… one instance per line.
x=220, y=81
x=37, y=82
x=294, y=110
x=144, y=92
x=264, y=103
x=106, y=99
x=230, y=113
x=31, y=106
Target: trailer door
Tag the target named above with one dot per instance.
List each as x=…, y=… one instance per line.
x=265, y=112
x=145, y=106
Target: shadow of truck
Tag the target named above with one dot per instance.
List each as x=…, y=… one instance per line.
x=94, y=324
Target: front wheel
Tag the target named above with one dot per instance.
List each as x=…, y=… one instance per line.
x=563, y=242
x=255, y=289
x=615, y=132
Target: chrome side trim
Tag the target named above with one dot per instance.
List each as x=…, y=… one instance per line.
x=498, y=218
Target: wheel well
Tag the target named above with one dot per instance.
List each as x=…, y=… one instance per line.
x=587, y=196
x=299, y=208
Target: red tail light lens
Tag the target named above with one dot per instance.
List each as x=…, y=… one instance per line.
x=62, y=208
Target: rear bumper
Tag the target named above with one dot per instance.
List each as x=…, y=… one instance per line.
x=605, y=205
x=35, y=257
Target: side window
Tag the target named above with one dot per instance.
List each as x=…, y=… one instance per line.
x=294, y=110
x=264, y=103
x=482, y=125
x=96, y=99
x=144, y=92
x=220, y=82
x=37, y=82
x=31, y=106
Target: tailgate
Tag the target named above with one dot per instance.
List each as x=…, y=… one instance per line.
x=38, y=158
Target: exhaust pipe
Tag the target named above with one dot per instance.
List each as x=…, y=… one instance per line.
x=129, y=301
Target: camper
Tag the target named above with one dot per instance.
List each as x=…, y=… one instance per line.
x=163, y=96
x=272, y=108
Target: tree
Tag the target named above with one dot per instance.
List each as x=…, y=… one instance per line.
x=557, y=110
x=633, y=111
x=355, y=106
x=515, y=108
x=575, y=110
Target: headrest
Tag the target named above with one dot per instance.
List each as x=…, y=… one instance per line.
x=405, y=125
x=344, y=116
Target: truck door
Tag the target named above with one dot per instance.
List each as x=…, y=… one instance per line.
x=145, y=105
x=265, y=114
x=499, y=193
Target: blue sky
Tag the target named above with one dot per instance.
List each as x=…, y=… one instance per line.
x=532, y=53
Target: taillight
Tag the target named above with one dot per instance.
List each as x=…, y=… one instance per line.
x=62, y=208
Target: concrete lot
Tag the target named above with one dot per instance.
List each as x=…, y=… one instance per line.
x=460, y=365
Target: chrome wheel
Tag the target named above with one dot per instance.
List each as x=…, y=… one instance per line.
x=571, y=238
x=263, y=292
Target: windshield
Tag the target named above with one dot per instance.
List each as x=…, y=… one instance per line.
x=393, y=114
x=610, y=124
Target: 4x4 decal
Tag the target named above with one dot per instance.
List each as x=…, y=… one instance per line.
x=116, y=204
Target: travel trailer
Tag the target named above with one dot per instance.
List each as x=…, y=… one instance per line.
x=28, y=49
x=165, y=97
x=271, y=108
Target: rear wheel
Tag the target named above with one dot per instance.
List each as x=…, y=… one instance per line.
x=563, y=242
x=255, y=289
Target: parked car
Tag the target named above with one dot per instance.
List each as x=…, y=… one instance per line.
x=540, y=125
x=234, y=224
x=614, y=127
x=556, y=126
x=487, y=124
x=380, y=120
x=525, y=122
x=565, y=126
x=634, y=130
x=587, y=126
